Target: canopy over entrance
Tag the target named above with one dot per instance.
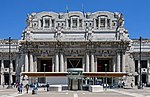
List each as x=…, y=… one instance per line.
x=86, y=74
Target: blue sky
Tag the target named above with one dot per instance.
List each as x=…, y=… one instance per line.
x=14, y=12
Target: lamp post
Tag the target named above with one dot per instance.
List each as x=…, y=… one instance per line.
x=44, y=71
x=9, y=83
x=106, y=75
x=140, y=75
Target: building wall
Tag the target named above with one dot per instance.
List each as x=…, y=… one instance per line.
x=7, y=56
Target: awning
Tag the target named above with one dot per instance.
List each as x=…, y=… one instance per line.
x=86, y=74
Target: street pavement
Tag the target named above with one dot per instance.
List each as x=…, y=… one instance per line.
x=108, y=93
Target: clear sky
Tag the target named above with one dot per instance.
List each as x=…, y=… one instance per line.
x=13, y=13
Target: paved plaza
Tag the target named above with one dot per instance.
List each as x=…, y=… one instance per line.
x=109, y=93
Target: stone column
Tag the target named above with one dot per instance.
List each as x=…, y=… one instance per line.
x=123, y=63
x=87, y=62
x=94, y=23
x=35, y=64
x=110, y=24
x=56, y=62
x=83, y=63
x=2, y=71
x=50, y=23
x=105, y=23
x=22, y=64
x=65, y=64
x=114, y=65
x=118, y=62
x=17, y=64
x=99, y=22
x=148, y=66
x=26, y=62
x=39, y=24
x=71, y=23
x=67, y=24
x=53, y=64
x=78, y=23
x=92, y=62
x=95, y=64
x=43, y=22
x=61, y=62
x=31, y=62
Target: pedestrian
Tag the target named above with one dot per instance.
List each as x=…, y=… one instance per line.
x=47, y=86
x=20, y=88
x=123, y=84
x=27, y=87
x=34, y=89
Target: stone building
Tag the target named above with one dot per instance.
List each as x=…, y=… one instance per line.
x=8, y=55
x=145, y=60
x=94, y=45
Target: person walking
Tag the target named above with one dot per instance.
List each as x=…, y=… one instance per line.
x=34, y=89
x=27, y=87
x=20, y=87
x=47, y=86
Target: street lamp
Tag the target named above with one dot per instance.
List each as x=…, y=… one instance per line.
x=140, y=75
x=9, y=83
x=44, y=71
x=106, y=75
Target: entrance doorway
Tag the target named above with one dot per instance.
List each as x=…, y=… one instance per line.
x=6, y=78
x=44, y=65
x=41, y=66
x=14, y=78
x=101, y=65
x=144, y=78
x=74, y=63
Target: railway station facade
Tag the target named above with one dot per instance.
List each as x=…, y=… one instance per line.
x=93, y=45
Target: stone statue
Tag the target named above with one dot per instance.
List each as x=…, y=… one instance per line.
x=29, y=20
x=121, y=20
